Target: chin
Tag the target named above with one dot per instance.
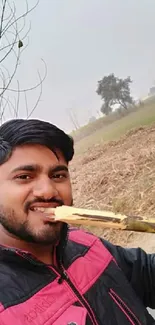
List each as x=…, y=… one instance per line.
x=49, y=233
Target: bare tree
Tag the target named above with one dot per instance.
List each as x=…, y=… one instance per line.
x=73, y=118
x=14, y=33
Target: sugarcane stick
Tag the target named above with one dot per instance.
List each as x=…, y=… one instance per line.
x=104, y=219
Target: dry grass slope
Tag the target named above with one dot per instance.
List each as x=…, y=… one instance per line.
x=119, y=176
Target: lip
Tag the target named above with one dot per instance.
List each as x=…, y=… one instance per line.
x=45, y=216
x=44, y=205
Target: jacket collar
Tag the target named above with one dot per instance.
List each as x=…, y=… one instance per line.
x=10, y=254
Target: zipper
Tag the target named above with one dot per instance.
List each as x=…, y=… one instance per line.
x=64, y=276
x=124, y=308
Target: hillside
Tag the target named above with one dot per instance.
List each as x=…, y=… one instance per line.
x=115, y=125
x=119, y=176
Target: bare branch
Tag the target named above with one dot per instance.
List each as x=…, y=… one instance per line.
x=3, y=77
x=25, y=46
x=12, y=34
x=31, y=88
x=13, y=74
x=26, y=105
x=11, y=48
x=2, y=18
x=15, y=33
x=38, y=100
x=23, y=37
x=12, y=11
x=3, y=108
x=18, y=99
x=10, y=105
x=23, y=15
x=8, y=17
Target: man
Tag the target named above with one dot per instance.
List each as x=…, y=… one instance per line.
x=50, y=274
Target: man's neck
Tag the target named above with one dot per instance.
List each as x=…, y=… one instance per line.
x=44, y=253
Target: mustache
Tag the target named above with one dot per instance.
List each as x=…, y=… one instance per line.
x=41, y=200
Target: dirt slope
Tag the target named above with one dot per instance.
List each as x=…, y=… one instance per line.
x=119, y=176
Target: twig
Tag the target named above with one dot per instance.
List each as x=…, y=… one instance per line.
x=31, y=88
x=23, y=15
x=2, y=18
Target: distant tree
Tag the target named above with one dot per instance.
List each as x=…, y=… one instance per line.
x=106, y=108
x=114, y=90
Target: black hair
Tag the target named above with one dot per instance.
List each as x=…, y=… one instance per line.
x=16, y=132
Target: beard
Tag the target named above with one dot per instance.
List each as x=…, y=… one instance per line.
x=49, y=235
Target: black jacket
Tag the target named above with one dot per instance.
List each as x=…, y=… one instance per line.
x=94, y=283
x=139, y=269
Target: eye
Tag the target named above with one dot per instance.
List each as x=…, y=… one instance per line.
x=59, y=176
x=23, y=177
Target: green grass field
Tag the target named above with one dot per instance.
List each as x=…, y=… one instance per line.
x=115, y=129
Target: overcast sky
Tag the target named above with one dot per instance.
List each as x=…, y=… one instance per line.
x=81, y=41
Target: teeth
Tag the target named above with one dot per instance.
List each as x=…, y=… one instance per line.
x=39, y=209
x=43, y=210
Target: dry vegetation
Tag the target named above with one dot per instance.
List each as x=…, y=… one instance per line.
x=119, y=176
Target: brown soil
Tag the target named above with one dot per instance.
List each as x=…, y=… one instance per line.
x=119, y=176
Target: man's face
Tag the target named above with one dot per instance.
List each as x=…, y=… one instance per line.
x=31, y=180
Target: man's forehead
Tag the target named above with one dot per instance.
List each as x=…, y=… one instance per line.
x=37, y=150
x=36, y=155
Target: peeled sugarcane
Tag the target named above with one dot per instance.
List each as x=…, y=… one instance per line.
x=99, y=218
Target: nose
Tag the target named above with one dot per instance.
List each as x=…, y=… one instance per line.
x=45, y=188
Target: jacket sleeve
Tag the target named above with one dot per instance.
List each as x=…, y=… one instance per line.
x=139, y=269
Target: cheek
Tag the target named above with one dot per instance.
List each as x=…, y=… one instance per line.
x=13, y=195
x=65, y=191
x=6, y=194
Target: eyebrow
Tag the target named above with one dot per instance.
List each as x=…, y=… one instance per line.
x=35, y=168
x=59, y=168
